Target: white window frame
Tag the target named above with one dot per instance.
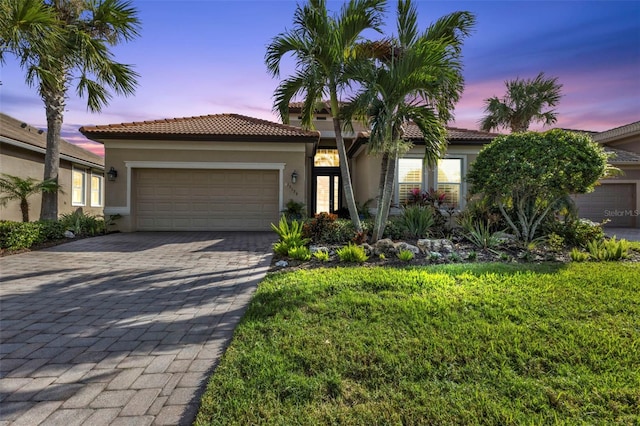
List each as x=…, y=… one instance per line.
x=460, y=184
x=83, y=172
x=430, y=178
x=100, y=190
x=398, y=182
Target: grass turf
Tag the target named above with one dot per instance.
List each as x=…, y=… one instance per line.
x=455, y=344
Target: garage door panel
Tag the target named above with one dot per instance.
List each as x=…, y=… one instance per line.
x=183, y=200
x=615, y=202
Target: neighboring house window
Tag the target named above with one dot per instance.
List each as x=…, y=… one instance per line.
x=449, y=180
x=96, y=190
x=78, y=185
x=410, y=176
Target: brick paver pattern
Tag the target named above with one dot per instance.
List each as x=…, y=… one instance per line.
x=122, y=328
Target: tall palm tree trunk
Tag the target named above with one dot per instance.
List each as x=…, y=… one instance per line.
x=385, y=193
x=54, y=105
x=384, y=164
x=347, y=186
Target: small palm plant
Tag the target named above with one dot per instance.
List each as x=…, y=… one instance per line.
x=290, y=236
x=17, y=188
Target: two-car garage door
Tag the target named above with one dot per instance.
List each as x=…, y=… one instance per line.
x=613, y=201
x=205, y=200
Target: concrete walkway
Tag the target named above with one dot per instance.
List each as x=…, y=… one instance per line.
x=121, y=329
x=629, y=234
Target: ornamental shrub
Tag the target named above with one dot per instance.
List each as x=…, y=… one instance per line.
x=19, y=235
x=526, y=175
x=352, y=253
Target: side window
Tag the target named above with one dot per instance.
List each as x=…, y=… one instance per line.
x=97, y=193
x=78, y=187
x=449, y=180
x=410, y=176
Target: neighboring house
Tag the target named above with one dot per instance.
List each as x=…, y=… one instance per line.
x=617, y=199
x=22, y=151
x=232, y=172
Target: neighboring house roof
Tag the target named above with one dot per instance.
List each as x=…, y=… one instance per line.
x=623, y=131
x=622, y=157
x=218, y=127
x=18, y=133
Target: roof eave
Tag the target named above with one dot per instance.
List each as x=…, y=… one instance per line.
x=101, y=136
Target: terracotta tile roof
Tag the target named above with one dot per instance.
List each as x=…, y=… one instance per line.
x=209, y=127
x=11, y=128
x=622, y=156
x=454, y=134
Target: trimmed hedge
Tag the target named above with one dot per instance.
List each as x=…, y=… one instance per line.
x=24, y=235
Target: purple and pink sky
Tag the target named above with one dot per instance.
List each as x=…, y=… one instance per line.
x=207, y=57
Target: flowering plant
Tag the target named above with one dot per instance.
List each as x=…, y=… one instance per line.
x=432, y=197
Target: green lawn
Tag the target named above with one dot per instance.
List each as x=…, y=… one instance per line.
x=456, y=344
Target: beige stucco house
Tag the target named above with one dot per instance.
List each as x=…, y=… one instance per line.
x=214, y=172
x=22, y=150
x=232, y=172
x=617, y=199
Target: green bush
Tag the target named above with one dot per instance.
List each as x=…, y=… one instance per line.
x=326, y=228
x=576, y=232
x=417, y=220
x=579, y=256
x=294, y=210
x=555, y=242
x=481, y=210
x=321, y=255
x=299, y=253
x=352, y=253
x=51, y=230
x=290, y=233
x=481, y=235
x=608, y=249
x=538, y=170
x=405, y=255
x=394, y=229
x=82, y=224
x=319, y=226
x=19, y=235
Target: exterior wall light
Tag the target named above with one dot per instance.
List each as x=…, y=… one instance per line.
x=294, y=177
x=112, y=174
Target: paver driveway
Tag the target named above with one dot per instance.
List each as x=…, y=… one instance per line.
x=121, y=329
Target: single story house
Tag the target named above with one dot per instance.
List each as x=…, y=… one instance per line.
x=233, y=172
x=617, y=199
x=22, y=151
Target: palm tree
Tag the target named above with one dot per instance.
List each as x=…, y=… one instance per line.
x=73, y=50
x=322, y=46
x=415, y=78
x=523, y=103
x=17, y=188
